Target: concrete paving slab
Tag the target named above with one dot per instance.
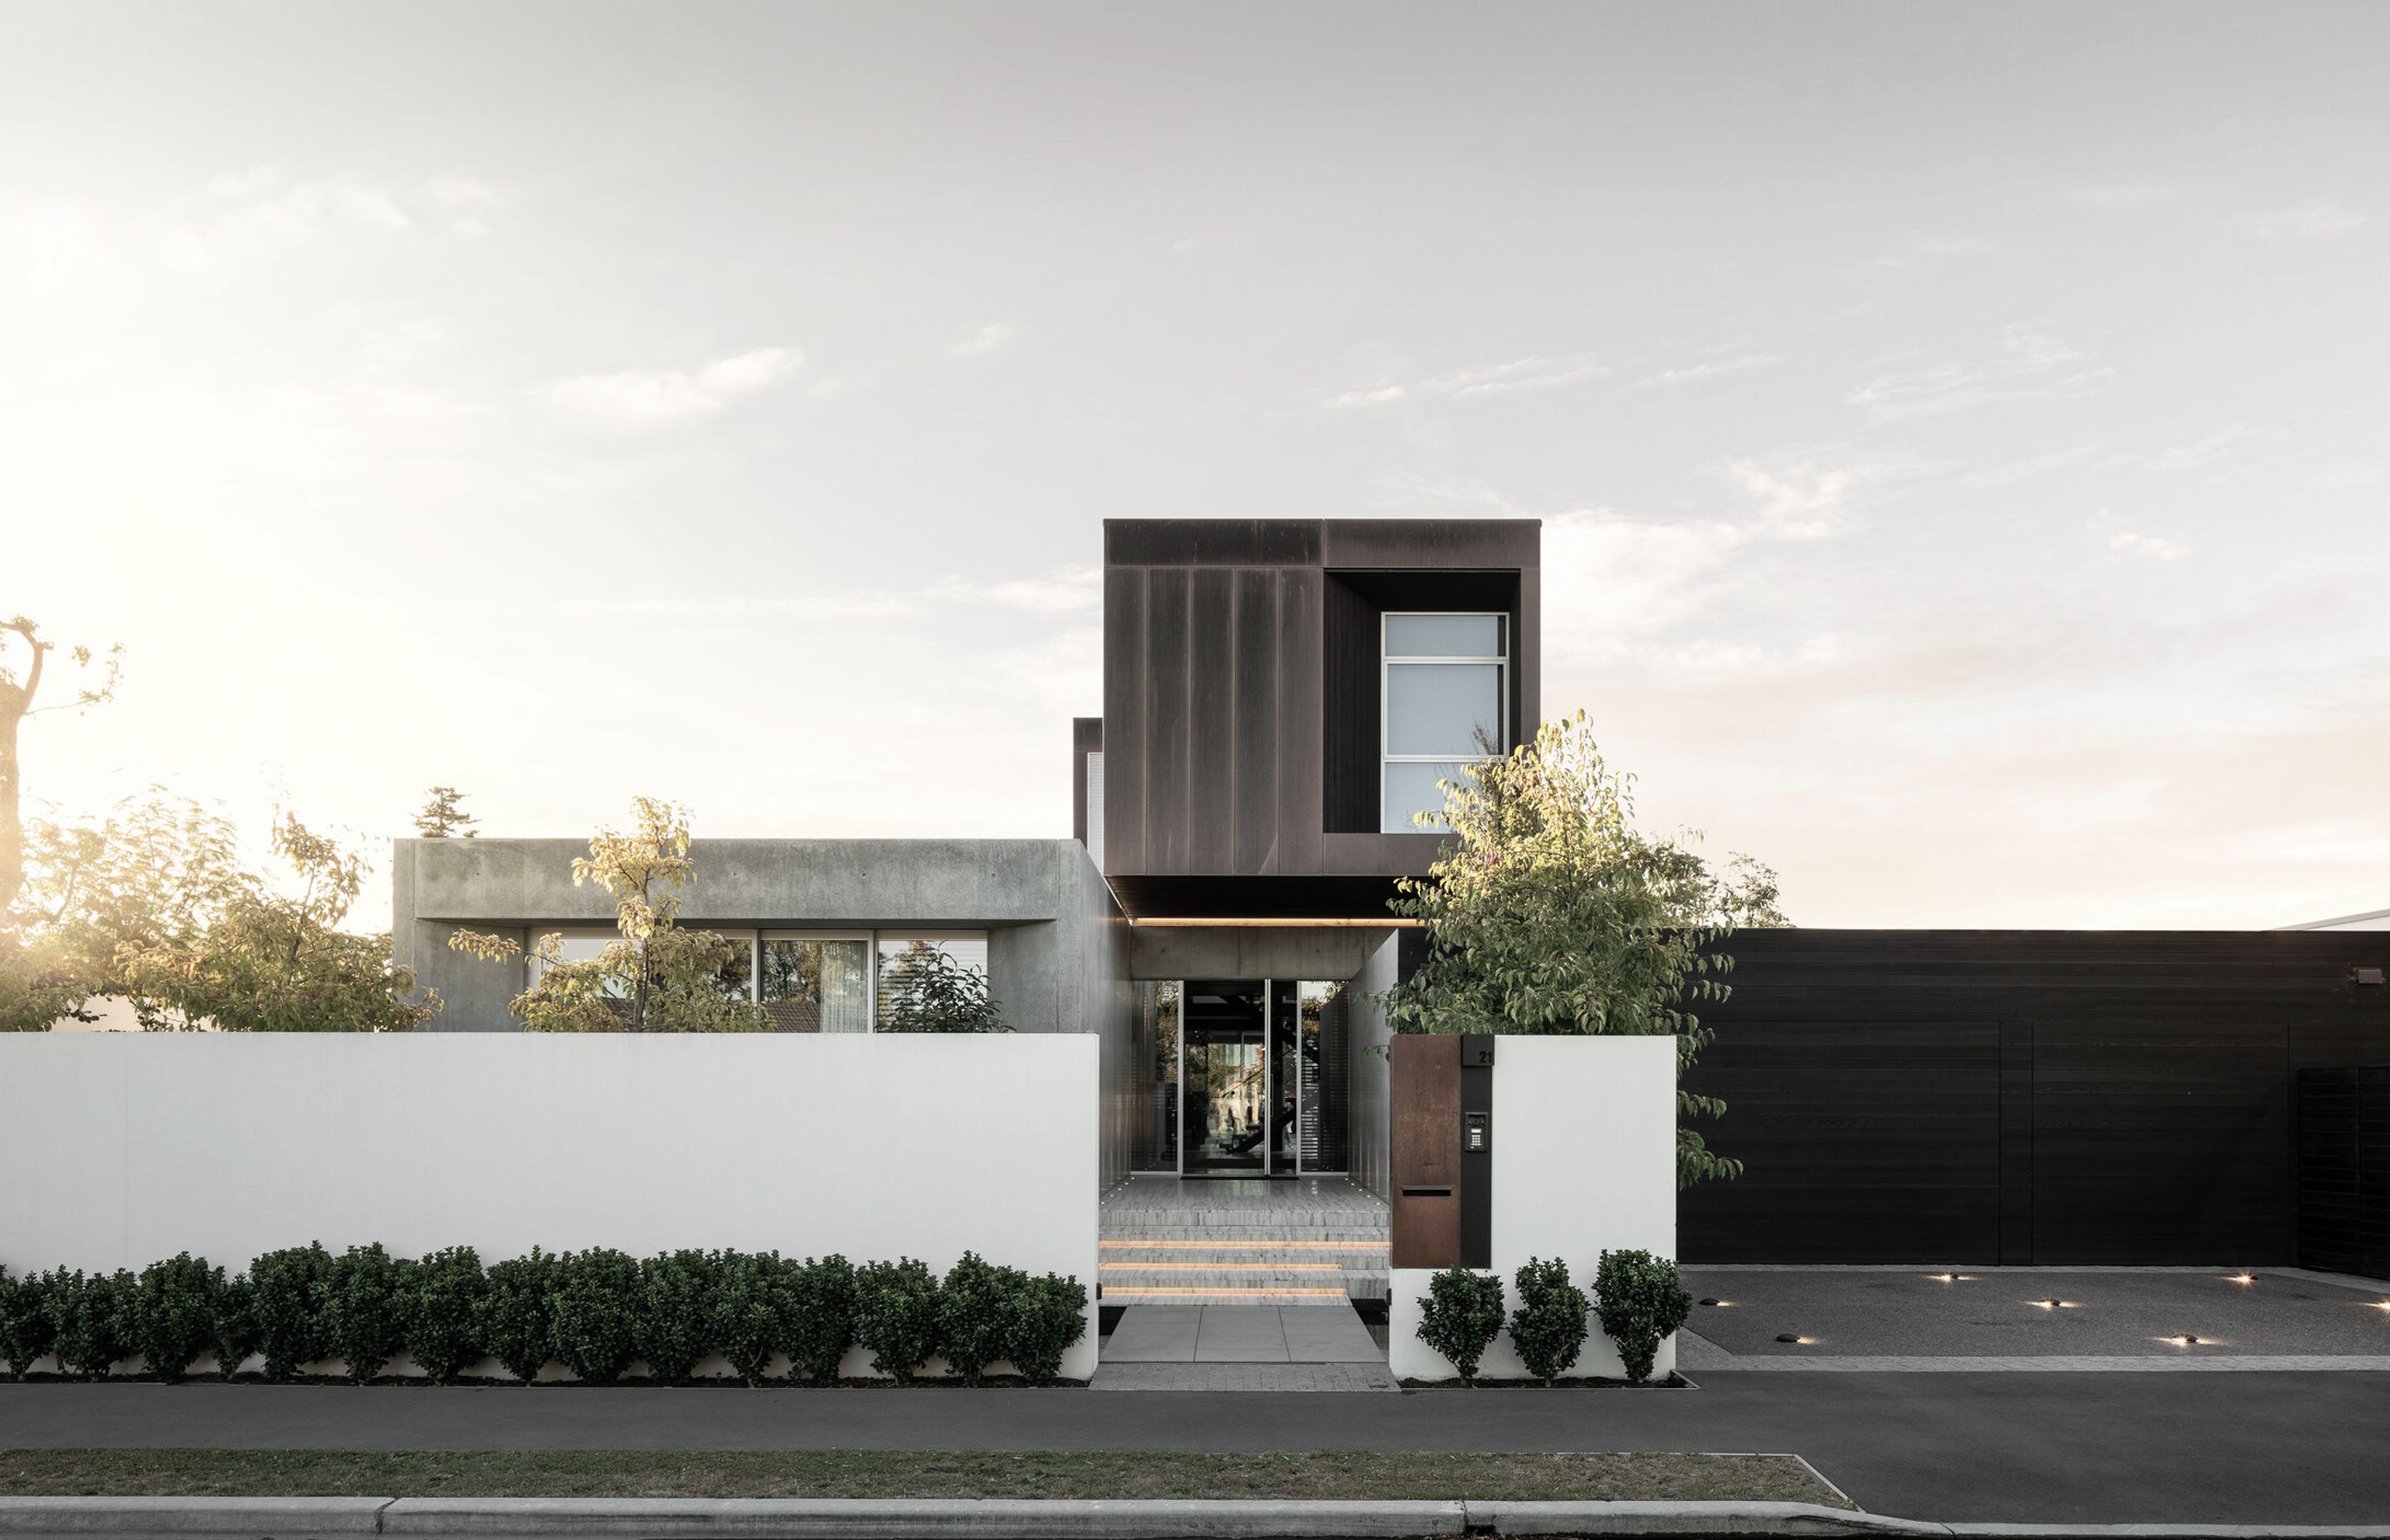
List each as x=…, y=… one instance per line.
x=1329, y=1337
x=1153, y=1334
x=1240, y=1334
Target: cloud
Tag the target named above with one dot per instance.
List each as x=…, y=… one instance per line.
x=2156, y=549
x=1078, y=590
x=2032, y=365
x=2341, y=477
x=1925, y=249
x=651, y=398
x=2191, y=457
x=1692, y=372
x=988, y=338
x=262, y=212
x=2018, y=471
x=2130, y=196
x=2316, y=219
x=1535, y=372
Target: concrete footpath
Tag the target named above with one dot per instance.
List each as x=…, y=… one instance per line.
x=2038, y=1449
x=998, y=1518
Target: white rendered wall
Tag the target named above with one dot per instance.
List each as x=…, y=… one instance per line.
x=1585, y=1160
x=116, y=1150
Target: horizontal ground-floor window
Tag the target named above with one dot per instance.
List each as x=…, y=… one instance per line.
x=806, y=979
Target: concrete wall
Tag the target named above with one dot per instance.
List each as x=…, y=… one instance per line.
x=1365, y=1067
x=118, y=1149
x=1053, y=961
x=1585, y=1160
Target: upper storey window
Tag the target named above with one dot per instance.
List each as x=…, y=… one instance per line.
x=1446, y=687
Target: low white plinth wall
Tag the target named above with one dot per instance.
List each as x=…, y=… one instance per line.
x=118, y=1149
x=1585, y=1160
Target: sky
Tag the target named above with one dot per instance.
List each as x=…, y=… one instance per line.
x=1962, y=434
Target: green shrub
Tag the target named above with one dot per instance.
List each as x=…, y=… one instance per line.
x=232, y=1331
x=517, y=1322
x=975, y=1313
x=288, y=1290
x=1641, y=1302
x=443, y=1312
x=1043, y=1319
x=821, y=1320
x=747, y=1314
x=675, y=1325
x=595, y=1301
x=896, y=1315
x=28, y=1330
x=1549, y=1327
x=1460, y=1315
x=365, y=1302
x=94, y=1314
x=174, y=1314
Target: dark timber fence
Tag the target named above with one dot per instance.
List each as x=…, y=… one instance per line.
x=2045, y=1098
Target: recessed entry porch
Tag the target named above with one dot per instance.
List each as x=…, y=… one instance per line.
x=1248, y=1078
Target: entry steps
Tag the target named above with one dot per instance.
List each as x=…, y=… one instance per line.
x=1301, y=1241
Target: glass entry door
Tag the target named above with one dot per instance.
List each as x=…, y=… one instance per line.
x=1225, y=1102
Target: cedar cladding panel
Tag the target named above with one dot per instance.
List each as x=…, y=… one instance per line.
x=2051, y=1098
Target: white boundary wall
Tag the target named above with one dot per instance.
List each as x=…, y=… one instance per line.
x=1585, y=1160
x=118, y=1149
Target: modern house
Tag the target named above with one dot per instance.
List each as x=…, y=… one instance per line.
x=1280, y=697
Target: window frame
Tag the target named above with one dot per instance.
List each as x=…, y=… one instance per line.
x=1386, y=662
x=870, y=940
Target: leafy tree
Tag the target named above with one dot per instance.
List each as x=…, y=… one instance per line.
x=20, y=683
x=443, y=815
x=657, y=977
x=268, y=961
x=930, y=991
x=39, y=979
x=1553, y=914
x=152, y=876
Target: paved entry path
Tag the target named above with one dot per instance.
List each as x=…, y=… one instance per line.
x=1240, y=1347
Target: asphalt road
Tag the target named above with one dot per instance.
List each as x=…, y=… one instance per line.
x=2023, y=1448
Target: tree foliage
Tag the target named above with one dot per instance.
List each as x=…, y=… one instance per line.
x=155, y=904
x=443, y=815
x=657, y=977
x=273, y=958
x=1553, y=914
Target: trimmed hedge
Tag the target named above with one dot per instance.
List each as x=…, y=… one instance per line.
x=595, y=1311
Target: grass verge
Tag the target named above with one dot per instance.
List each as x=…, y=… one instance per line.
x=902, y=1473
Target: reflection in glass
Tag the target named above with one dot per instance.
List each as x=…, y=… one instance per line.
x=966, y=947
x=1223, y=1121
x=817, y=986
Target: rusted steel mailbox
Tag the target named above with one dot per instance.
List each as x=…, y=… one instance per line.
x=1440, y=1130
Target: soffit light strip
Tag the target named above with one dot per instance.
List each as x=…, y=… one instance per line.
x=1294, y=923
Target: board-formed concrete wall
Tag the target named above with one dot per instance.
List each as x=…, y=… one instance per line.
x=116, y=1150
x=1585, y=1160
